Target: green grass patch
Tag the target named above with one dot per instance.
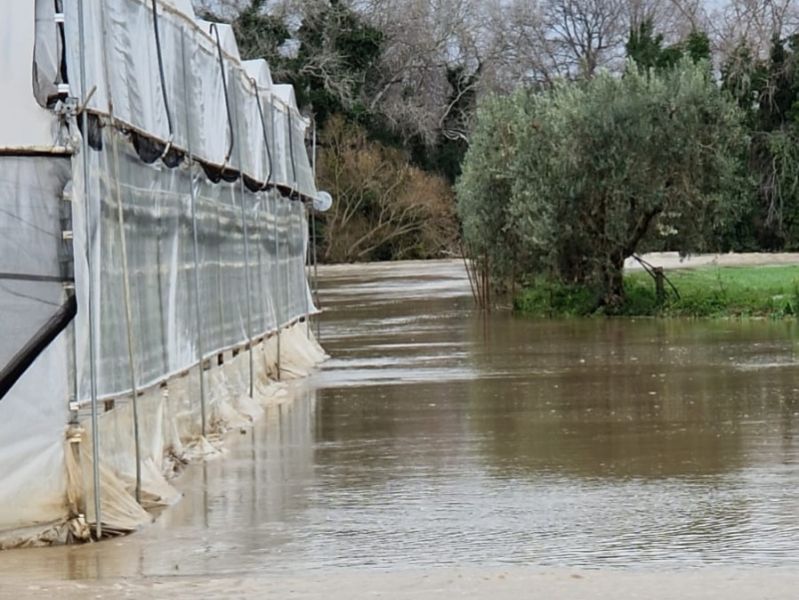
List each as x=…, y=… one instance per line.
x=545, y=298
x=712, y=292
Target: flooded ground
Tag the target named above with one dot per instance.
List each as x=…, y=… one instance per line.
x=444, y=453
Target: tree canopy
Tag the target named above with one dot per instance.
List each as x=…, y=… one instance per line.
x=569, y=182
x=767, y=90
x=408, y=76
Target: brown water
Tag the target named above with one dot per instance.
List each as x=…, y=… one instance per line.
x=437, y=437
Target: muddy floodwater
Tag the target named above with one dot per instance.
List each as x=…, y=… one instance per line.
x=438, y=437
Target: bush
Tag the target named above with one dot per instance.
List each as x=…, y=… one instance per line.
x=384, y=208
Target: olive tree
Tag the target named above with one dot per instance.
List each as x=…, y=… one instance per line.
x=570, y=182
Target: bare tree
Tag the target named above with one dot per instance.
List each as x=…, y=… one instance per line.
x=543, y=41
x=585, y=34
x=751, y=23
x=383, y=204
x=426, y=43
x=675, y=19
x=437, y=52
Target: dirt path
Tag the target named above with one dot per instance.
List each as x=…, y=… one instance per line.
x=672, y=260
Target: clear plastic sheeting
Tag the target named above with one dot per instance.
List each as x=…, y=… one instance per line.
x=33, y=257
x=33, y=420
x=170, y=428
x=122, y=61
x=258, y=69
x=159, y=234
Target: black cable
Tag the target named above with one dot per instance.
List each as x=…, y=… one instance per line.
x=266, y=134
x=224, y=86
x=37, y=278
x=59, y=8
x=161, y=70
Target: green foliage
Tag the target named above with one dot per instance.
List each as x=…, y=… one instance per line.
x=337, y=53
x=550, y=298
x=343, y=37
x=645, y=47
x=385, y=208
x=707, y=293
x=260, y=35
x=697, y=46
x=568, y=183
x=720, y=292
x=337, y=58
x=447, y=154
x=485, y=188
x=768, y=92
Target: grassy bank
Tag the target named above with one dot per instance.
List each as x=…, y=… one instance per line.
x=706, y=292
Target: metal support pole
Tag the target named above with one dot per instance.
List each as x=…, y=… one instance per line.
x=313, y=152
x=247, y=283
x=287, y=269
x=277, y=280
x=67, y=218
x=306, y=267
x=128, y=314
x=314, y=258
x=98, y=530
x=246, y=254
x=264, y=191
x=259, y=257
x=131, y=342
x=125, y=271
x=195, y=236
x=290, y=217
x=315, y=286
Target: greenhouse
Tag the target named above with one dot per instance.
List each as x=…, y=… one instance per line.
x=154, y=201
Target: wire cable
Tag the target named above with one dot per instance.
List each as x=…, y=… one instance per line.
x=265, y=133
x=215, y=30
x=163, y=78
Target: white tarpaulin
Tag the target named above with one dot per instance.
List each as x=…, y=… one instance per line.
x=24, y=124
x=201, y=57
